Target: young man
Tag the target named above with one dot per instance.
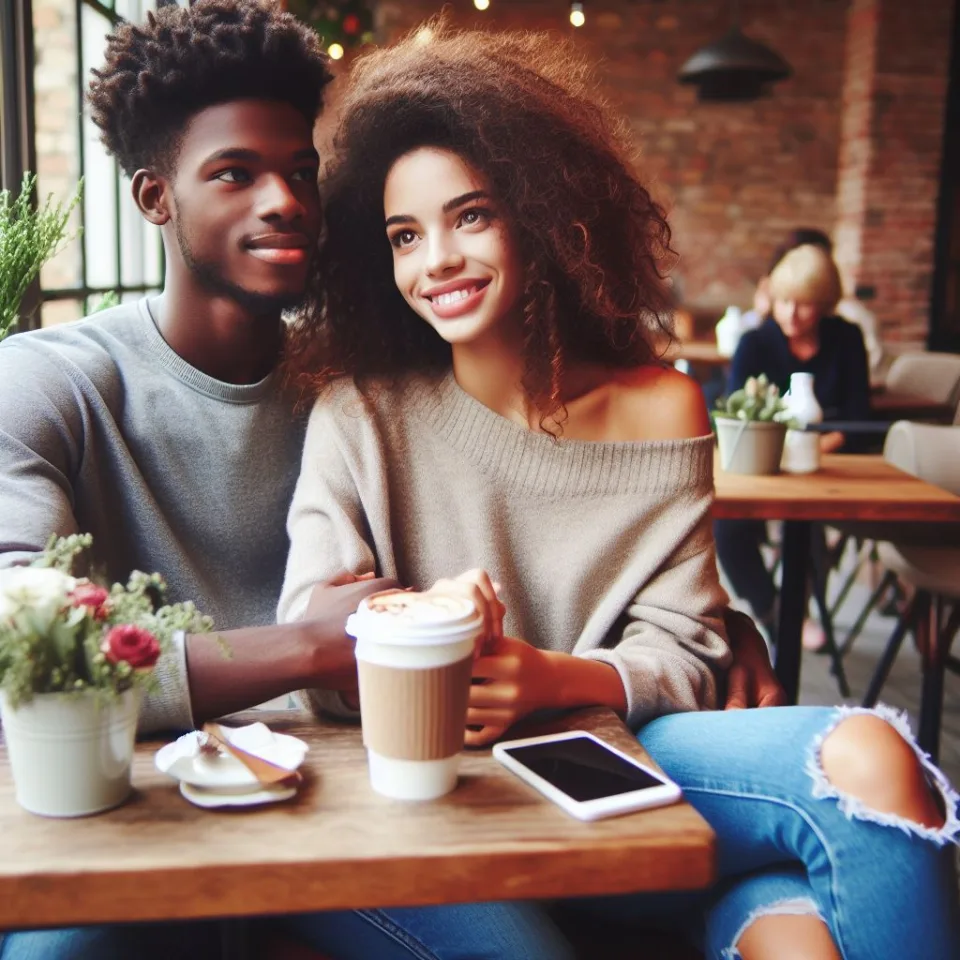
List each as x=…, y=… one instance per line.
x=161, y=427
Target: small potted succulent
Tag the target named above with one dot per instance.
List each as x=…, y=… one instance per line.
x=74, y=659
x=751, y=426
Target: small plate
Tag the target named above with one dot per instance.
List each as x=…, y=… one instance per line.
x=211, y=798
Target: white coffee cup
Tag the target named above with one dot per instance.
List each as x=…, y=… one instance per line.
x=414, y=660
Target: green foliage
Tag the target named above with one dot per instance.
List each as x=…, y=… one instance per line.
x=61, y=553
x=758, y=401
x=110, y=299
x=29, y=237
x=54, y=628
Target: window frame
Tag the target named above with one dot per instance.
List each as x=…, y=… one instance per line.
x=19, y=153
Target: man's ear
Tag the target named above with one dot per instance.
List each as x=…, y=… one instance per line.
x=152, y=195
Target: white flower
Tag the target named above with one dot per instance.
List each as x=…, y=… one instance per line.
x=35, y=588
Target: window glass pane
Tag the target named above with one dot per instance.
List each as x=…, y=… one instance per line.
x=54, y=312
x=56, y=106
x=134, y=9
x=101, y=236
x=118, y=249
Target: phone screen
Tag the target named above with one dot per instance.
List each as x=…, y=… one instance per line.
x=583, y=769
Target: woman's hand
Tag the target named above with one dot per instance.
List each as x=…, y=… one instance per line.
x=477, y=587
x=831, y=442
x=511, y=680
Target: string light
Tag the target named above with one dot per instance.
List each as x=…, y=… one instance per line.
x=577, y=17
x=481, y=4
x=335, y=51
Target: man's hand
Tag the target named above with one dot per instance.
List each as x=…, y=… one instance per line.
x=510, y=681
x=267, y=662
x=325, y=618
x=751, y=681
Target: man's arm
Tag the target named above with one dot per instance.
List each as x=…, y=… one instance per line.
x=236, y=669
x=41, y=431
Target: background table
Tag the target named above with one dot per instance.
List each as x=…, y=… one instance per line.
x=893, y=405
x=703, y=352
x=337, y=844
x=847, y=487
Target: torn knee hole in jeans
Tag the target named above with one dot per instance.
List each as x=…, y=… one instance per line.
x=791, y=907
x=856, y=809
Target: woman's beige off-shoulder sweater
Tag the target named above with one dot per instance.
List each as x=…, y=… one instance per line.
x=602, y=550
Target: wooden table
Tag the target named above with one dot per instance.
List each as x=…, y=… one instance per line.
x=848, y=487
x=698, y=351
x=893, y=405
x=337, y=844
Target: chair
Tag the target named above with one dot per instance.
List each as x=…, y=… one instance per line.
x=933, y=454
x=926, y=376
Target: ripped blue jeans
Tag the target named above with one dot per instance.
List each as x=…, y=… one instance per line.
x=788, y=842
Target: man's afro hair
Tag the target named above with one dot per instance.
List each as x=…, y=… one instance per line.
x=158, y=74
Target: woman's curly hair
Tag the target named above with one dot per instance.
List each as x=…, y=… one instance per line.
x=183, y=59
x=521, y=109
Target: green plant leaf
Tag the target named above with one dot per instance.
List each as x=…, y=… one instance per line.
x=30, y=235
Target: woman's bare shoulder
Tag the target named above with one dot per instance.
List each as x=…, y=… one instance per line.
x=661, y=403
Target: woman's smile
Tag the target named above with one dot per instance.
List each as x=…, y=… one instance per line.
x=456, y=299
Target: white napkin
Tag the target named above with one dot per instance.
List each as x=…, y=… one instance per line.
x=185, y=760
x=277, y=748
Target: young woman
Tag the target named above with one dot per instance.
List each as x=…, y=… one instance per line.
x=490, y=283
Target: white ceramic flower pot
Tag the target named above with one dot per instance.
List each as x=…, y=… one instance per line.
x=71, y=754
x=750, y=446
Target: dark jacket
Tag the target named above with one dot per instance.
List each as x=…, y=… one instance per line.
x=841, y=379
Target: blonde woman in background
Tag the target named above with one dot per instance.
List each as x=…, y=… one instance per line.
x=802, y=335
x=849, y=307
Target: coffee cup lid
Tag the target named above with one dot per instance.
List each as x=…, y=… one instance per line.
x=403, y=616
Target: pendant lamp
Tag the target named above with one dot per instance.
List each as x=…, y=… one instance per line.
x=735, y=68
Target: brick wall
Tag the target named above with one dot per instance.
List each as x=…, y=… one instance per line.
x=906, y=137
x=735, y=177
x=850, y=144
x=856, y=145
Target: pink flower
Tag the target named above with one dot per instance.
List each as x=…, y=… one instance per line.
x=91, y=596
x=136, y=646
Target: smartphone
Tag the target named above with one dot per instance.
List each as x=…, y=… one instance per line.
x=584, y=776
